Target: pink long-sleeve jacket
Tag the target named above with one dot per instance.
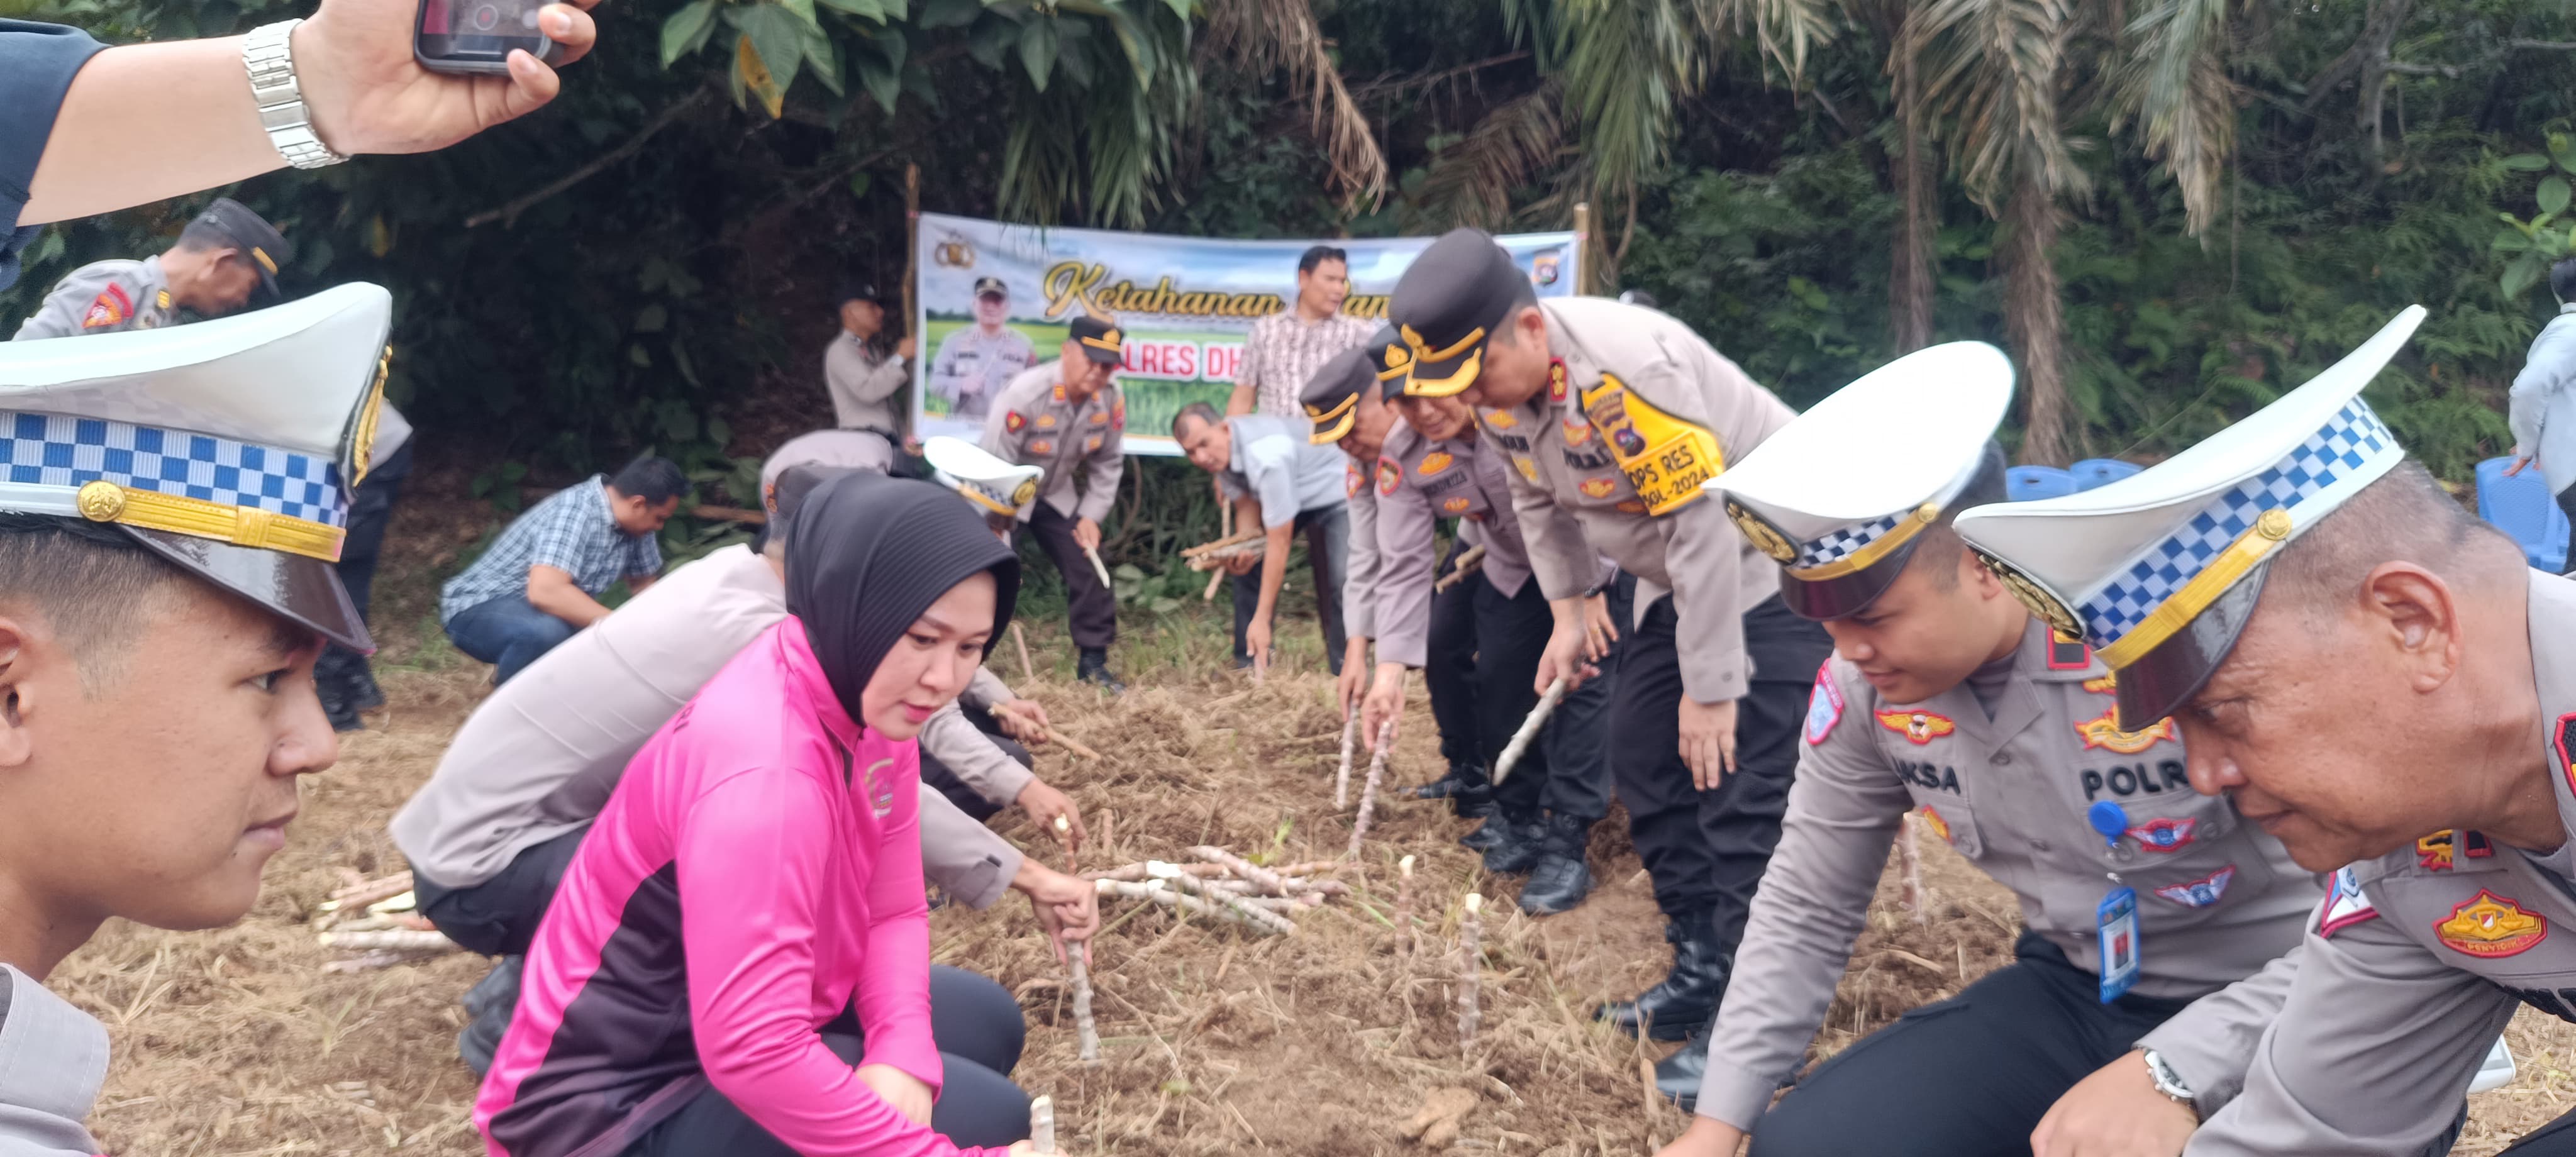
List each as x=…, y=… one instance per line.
x=757, y=871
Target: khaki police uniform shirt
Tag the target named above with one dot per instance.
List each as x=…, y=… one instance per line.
x=1361, y=565
x=104, y=297
x=2414, y=964
x=1419, y=482
x=53, y=1058
x=2217, y=899
x=863, y=385
x=972, y=368
x=1036, y=423
x=1611, y=458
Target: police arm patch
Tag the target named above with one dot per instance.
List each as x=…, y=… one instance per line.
x=2345, y=905
x=109, y=308
x=1824, y=705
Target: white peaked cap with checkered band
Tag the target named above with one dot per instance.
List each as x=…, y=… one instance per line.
x=228, y=447
x=985, y=480
x=2161, y=570
x=1840, y=496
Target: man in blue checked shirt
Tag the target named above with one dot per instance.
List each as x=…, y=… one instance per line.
x=541, y=580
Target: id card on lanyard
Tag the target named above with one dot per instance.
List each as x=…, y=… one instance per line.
x=2116, y=920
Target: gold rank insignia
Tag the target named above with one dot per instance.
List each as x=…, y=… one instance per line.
x=1456, y=505
x=1918, y=727
x=1765, y=537
x=2490, y=927
x=1045, y=422
x=1500, y=420
x=2106, y=685
x=1597, y=487
x=2034, y=596
x=2105, y=733
x=1556, y=380
x=1433, y=463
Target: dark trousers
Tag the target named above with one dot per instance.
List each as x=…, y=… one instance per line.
x=937, y=775
x=1327, y=531
x=1969, y=1076
x=499, y=916
x=370, y=509
x=1449, y=669
x=1705, y=850
x=979, y=1029
x=1511, y=635
x=2555, y=1139
x=1091, y=608
x=2567, y=504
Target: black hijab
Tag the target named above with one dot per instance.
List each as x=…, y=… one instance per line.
x=866, y=554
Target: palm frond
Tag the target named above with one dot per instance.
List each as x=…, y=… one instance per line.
x=1517, y=143
x=1281, y=35
x=1784, y=29
x=2173, y=81
x=1993, y=71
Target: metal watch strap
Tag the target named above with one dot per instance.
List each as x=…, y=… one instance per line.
x=271, y=64
x=2170, y=1083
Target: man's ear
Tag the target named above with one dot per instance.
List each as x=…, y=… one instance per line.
x=1974, y=575
x=2416, y=617
x=16, y=746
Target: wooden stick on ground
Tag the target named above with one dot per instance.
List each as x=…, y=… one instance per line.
x=1028, y=670
x=1471, y=952
x=1170, y=897
x=1368, y=790
x=1342, y=778
x=1086, y=1033
x=1046, y=734
x=1465, y=565
x=1261, y=877
x=1172, y=875
x=1404, y=903
x=1100, y=568
x=1513, y=750
x=1042, y=1124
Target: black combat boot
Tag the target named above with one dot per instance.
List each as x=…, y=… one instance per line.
x=1094, y=668
x=1687, y=996
x=1677, y=1076
x=1463, y=775
x=360, y=680
x=1519, y=849
x=1560, y=880
x=488, y=1008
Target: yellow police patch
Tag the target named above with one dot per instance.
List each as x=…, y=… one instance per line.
x=2106, y=685
x=1045, y=422
x=1940, y=827
x=1664, y=457
x=1577, y=431
x=2491, y=926
x=1456, y=505
x=1389, y=476
x=1597, y=487
x=1500, y=420
x=1041, y=446
x=1434, y=462
x=2105, y=732
x=1528, y=469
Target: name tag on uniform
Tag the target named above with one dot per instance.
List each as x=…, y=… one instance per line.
x=2118, y=921
x=1665, y=458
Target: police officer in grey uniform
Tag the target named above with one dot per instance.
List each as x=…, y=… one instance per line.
x=1067, y=418
x=975, y=365
x=1946, y=695
x=1611, y=417
x=1433, y=468
x=224, y=258
x=1347, y=402
x=2379, y=681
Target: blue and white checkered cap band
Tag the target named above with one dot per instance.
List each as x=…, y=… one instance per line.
x=1845, y=542
x=56, y=450
x=2353, y=440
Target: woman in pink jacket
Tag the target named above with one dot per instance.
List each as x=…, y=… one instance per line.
x=756, y=878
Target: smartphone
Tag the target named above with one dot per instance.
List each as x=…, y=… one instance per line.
x=476, y=36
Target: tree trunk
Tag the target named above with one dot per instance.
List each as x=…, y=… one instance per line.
x=1909, y=288
x=2033, y=316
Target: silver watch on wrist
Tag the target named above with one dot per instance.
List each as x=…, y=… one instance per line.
x=270, y=61
x=2169, y=1082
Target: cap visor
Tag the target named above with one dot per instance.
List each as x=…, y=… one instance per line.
x=305, y=590
x=1102, y=356
x=1444, y=379
x=2165, y=678
x=1329, y=434
x=1846, y=595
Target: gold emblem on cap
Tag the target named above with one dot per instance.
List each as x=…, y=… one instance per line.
x=2034, y=596
x=101, y=501
x=1764, y=537
x=1027, y=489
x=2273, y=524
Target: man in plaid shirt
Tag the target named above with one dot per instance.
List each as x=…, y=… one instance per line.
x=541, y=580
x=1284, y=350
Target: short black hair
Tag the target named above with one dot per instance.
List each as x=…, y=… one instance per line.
x=655, y=480
x=1199, y=410
x=2562, y=279
x=1318, y=254
x=84, y=579
x=1938, y=552
x=2404, y=516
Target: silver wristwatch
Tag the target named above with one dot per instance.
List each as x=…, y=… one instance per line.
x=2169, y=1082
x=271, y=64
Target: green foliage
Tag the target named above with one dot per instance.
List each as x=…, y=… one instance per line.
x=2534, y=245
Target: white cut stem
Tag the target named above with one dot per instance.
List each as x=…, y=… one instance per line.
x=1086, y=1033
x=1042, y=1124
x=1910, y=855
x=1233, y=902
x=1404, y=902
x=1466, y=565
x=361, y=895
x=1028, y=669
x=1174, y=898
x=1268, y=881
x=1350, y=746
x=1099, y=568
x=1521, y=739
x=1225, y=514
x=400, y=940
x=1471, y=953
x=1368, y=790
x=1225, y=517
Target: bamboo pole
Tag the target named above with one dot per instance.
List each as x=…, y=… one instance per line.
x=1368, y=790
x=1529, y=728
x=1471, y=951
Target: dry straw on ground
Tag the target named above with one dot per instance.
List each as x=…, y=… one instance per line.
x=1214, y=1040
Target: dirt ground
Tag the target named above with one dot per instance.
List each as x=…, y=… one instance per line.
x=238, y=1042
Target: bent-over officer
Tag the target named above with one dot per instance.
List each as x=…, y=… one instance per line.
x=1944, y=694
x=1347, y=403
x=1067, y=418
x=223, y=258
x=1611, y=417
x=2379, y=681
x=1434, y=468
